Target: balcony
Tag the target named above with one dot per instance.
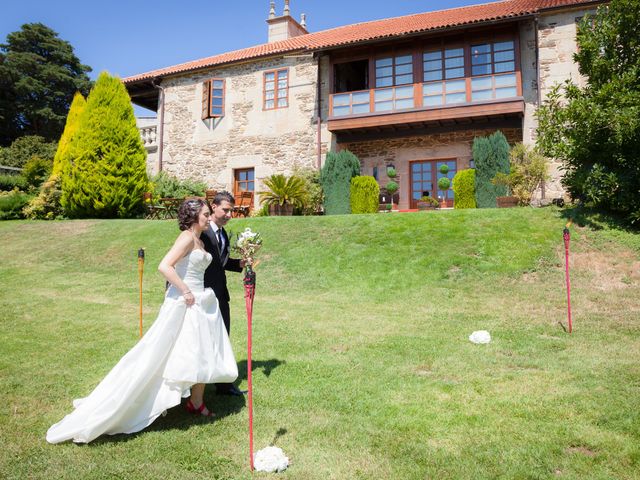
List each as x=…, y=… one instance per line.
x=462, y=100
x=148, y=134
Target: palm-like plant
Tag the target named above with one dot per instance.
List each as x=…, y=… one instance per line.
x=284, y=191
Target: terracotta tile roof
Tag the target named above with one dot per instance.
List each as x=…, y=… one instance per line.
x=374, y=30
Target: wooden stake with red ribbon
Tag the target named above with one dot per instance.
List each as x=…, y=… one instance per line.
x=140, y=272
x=566, y=235
x=249, y=292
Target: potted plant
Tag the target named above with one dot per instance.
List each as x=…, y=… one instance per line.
x=283, y=194
x=427, y=203
x=443, y=184
x=392, y=187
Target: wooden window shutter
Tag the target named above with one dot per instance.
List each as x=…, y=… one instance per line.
x=206, y=99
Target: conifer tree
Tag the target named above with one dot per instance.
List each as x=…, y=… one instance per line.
x=106, y=174
x=491, y=155
x=70, y=128
x=335, y=177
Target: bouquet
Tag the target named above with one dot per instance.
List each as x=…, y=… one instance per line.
x=247, y=245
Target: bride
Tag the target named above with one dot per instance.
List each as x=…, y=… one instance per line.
x=186, y=347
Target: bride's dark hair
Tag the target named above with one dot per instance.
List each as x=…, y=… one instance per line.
x=189, y=211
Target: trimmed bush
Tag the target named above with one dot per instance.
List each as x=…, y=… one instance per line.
x=106, y=176
x=46, y=206
x=491, y=155
x=337, y=171
x=12, y=203
x=23, y=148
x=365, y=192
x=36, y=171
x=11, y=182
x=168, y=186
x=464, y=190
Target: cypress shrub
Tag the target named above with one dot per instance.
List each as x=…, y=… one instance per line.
x=335, y=177
x=106, y=174
x=464, y=189
x=12, y=182
x=70, y=128
x=491, y=155
x=365, y=193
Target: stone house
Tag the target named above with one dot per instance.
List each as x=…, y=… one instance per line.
x=409, y=91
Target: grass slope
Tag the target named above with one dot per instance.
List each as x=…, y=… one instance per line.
x=362, y=366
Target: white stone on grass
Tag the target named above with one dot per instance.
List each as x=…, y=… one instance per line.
x=480, y=336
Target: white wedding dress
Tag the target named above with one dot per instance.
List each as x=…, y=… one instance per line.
x=184, y=346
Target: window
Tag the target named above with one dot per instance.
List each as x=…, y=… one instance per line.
x=392, y=71
x=213, y=98
x=243, y=181
x=276, y=89
x=493, y=70
x=443, y=77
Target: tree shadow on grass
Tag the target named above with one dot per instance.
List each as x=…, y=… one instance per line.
x=584, y=216
x=178, y=418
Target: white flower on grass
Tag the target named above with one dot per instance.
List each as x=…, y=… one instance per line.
x=270, y=459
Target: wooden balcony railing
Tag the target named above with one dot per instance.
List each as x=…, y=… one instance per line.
x=440, y=94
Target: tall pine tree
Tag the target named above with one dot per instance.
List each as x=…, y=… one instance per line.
x=106, y=174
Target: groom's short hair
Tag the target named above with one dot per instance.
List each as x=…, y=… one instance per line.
x=222, y=196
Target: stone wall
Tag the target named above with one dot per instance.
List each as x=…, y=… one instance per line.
x=270, y=141
x=400, y=151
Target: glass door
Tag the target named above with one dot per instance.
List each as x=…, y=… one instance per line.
x=424, y=180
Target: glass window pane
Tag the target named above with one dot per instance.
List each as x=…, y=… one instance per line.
x=415, y=167
x=404, y=103
x=282, y=73
x=505, y=80
x=242, y=176
x=417, y=195
x=482, y=95
x=269, y=86
x=360, y=97
x=216, y=102
x=503, y=45
x=217, y=92
x=481, y=69
x=455, y=98
x=282, y=94
x=269, y=104
x=218, y=83
x=506, y=92
x=408, y=68
x=482, y=48
x=455, y=73
x=455, y=85
x=454, y=62
x=432, y=101
x=282, y=102
x=504, y=67
x=270, y=76
x=384, y=72
x=404, y=79
x=337, y=111
x=383, y=106
x=361, y=108
x=503, y=56
x=384, y=62
x=432, y=55
x=339, y=100
x=384, y=82
x=453, y=52
x=216, y=111
x=404, y=59
x=430, y=76
x=269, y=95
x=404, y=92
x=385, y=94
x=481, y=83
x=417, y=185
x=282, y=83
x=432, y=88
x=250, y=174
x=432, y=65
x=480, y=58
x=426, y=167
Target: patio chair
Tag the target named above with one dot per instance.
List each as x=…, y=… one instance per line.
x=152, y=210
x=243, y=205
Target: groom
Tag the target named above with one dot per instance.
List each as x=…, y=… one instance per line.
x=216, y=242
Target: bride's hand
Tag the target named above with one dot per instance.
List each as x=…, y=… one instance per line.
x=189, y=299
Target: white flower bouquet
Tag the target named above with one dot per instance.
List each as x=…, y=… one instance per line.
x=247, y=245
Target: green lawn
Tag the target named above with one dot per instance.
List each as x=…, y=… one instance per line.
x=362, y=364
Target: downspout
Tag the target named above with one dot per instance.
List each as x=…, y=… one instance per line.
x=538, y=87
x=319, y=118
x=160, y=123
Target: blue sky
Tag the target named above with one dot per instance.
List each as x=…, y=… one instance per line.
x=131, y=37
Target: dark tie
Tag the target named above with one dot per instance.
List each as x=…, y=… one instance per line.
x=219, y=235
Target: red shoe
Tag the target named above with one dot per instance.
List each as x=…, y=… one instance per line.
x=198, y=411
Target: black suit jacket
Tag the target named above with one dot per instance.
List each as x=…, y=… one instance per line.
x=214, y=275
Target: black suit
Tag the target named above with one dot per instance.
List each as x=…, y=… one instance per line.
x=214, y=275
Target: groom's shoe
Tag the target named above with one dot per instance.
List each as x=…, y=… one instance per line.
x=230, y=390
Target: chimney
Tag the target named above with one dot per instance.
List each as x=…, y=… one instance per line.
x=285, y=26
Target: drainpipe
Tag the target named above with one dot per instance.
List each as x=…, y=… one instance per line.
x=538, y=86
x=319, y=118
x=160, y=123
